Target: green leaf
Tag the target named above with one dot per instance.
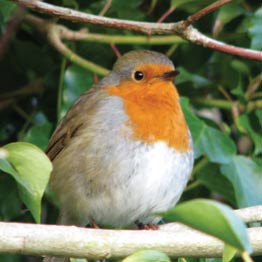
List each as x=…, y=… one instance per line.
x=39, y=135
x=246, y=177
x=229, y=253
x=212, y=218
x=76, y=81
x=211, y=177
x=190, y=6
x=196, y=80
x=218, y=147
x=7, y=9
x=259, y=117
x=240, y=66
x=10, y=258
x=31, y=168
x=127, y=9
x=228, y=12
x=147, y=256
x=243, y=123
x=238, y=90
x=209, y=141
x=177, y=3
x=77, y=260
x=255, y=31
x=10, y=204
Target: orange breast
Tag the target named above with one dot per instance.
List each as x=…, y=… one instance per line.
x=154, y=112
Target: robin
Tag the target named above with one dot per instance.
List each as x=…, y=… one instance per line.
x=123, y=151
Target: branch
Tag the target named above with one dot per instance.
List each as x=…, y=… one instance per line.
x=180, y=28
x=82, y=35
x=228, y=105
x=174, y=239
x=55, y=33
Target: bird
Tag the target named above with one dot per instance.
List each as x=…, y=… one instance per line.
x=123, y=152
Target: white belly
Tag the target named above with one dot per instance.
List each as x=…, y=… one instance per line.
x=152, y=181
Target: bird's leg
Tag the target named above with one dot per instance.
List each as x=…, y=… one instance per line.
x=93, y=224
x=149, y=226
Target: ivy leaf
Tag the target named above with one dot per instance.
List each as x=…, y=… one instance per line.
x=229, y=253
x=212, y=218
x=31, y=169
x=209, y=141
x=246, y=177
x=243, y=123
x=76, y=81
x=211, y=177
x=196, y=80
x=7, y=9
x=255, y=31
x=228, y=12
x=147, y=256
x=39, y=135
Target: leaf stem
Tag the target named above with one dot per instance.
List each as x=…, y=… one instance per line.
x=201, y=164
x=246, y=257
x=192, y=186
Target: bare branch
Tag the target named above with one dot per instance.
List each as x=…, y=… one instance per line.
x=179, y=28
x=105, y=8
x=174, y=239
x=77, y=16
x=70, y=241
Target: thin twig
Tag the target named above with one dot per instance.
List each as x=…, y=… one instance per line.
x=166, y=14
x=254, y=85
x=187, y=32
x=115, y=49
x=195, y=17
x=105, y=8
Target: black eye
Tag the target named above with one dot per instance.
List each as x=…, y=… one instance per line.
x=138, y=75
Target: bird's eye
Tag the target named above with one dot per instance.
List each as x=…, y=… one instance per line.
x=138, y=75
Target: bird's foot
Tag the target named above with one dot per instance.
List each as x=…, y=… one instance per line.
x=149, y=226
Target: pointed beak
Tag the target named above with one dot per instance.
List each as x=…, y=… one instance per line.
x=170, y=74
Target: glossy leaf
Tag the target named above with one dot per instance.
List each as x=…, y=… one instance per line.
x=218, y=147
x=228, y=12
x=243, y=123
x=77, y=260
x=229, y=253
x=147, y=256
x=255, y=31
x=31, y=168
x=76, y=81
x=10, y=204
x=246, y=177
x=211, y=177
x=39, y=135
x=7, y=8
x=196, y=80
x=212, y=218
